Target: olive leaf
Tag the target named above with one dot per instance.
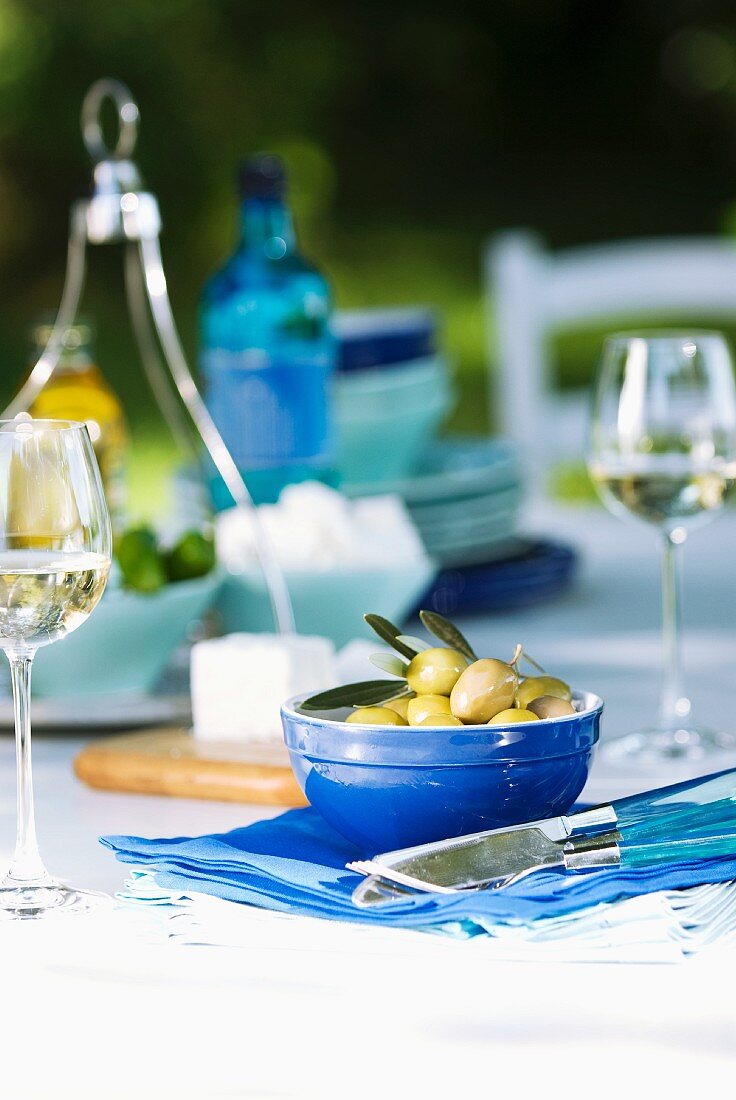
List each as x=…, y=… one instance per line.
x=367, y=693
x=394, y=666
x=387, y=632
x=447, y=632
x=418, y=644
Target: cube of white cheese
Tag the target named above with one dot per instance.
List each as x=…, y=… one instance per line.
x=240, y=681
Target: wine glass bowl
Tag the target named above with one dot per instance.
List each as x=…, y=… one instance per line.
x=55, y=553
x=663, y=451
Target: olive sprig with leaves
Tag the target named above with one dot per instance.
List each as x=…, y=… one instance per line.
x=444, y=685
x=368, y=693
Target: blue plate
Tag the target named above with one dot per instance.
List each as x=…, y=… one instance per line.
x=452, y=469
x=455, y=515
x=534, y=572
x=481, y=548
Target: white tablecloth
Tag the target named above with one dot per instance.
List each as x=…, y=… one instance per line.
x=315, y=1009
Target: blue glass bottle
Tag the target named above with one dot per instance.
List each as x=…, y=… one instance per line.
x=267, y=353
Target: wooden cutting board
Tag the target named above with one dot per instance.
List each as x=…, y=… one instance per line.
x=172, y=762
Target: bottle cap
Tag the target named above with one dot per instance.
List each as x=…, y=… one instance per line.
x=78, y=335
x=262, y=176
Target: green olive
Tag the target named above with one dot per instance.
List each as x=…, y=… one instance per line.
x=439, y=720
x=513, y=714
x=534, y=686
x=376, y=716
x=399, y=705
x=484, y=688
x=549, y=706
x=435, y=671
x=423, y=705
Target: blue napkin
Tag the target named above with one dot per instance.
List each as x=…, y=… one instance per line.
x=295, y=863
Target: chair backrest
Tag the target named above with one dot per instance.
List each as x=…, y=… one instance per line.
x=530, y=293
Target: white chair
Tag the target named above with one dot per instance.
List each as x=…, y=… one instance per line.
x=531, y=293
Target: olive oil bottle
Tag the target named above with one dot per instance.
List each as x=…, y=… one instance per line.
x=78, y=390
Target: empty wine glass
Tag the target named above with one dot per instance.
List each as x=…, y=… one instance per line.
x=55, y=547
x=663, y=449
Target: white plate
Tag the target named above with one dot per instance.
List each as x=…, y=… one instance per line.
x=101, y=712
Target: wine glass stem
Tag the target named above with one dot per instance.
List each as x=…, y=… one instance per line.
x=26, y=868
x=673, y=706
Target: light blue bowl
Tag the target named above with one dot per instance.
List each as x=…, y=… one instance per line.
x=373, y=449
x=385, y=421
x=331, y=604
x=126, y=643
x=418, y=376
x=387, y=787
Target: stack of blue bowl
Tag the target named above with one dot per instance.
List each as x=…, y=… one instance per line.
x=392, y=391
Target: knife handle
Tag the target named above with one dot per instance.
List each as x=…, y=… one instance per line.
x=684, y=823
x=693, y=794
x=677, y=851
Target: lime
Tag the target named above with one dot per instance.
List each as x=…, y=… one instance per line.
x=192, y=556
x=141, y=564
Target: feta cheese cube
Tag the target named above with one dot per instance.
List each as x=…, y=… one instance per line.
x=240, y=681
x=316, y=529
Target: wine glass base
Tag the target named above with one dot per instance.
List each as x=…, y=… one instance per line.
x=662, y=746
x=46, y=900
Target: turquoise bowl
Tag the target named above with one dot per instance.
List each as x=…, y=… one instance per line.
x=385, y=421
x=373, y=450
x=331, y=604
x=126, y=643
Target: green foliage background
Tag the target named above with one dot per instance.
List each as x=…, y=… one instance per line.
x=412, y=132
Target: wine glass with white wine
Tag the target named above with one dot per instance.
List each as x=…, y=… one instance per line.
x=663, y=449
x=55, y=550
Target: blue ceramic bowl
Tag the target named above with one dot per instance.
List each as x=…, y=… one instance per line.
x=387, y=787
x=372, y=339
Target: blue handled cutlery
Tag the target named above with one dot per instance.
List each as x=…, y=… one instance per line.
x=691, y=820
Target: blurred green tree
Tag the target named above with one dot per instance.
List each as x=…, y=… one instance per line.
x=411, y=132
